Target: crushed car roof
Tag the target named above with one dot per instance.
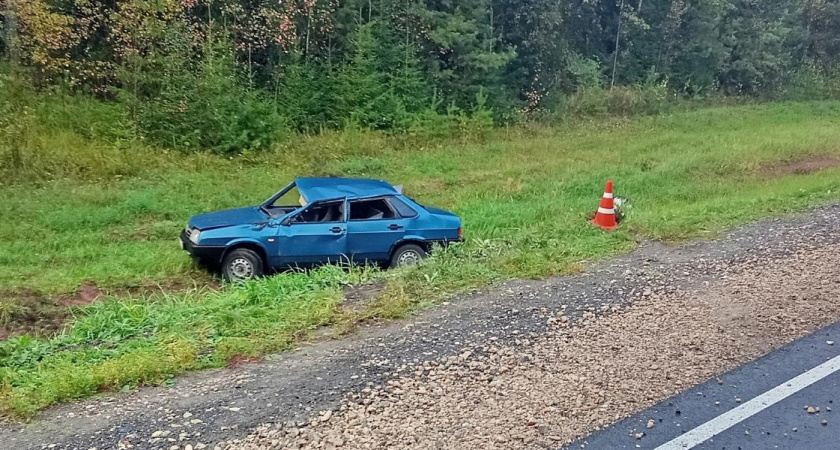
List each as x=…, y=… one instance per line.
x=316, y=189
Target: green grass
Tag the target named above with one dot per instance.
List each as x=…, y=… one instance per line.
x=112, y=217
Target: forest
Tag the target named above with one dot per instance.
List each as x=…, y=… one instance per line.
x=239, y=75
x=121, y=119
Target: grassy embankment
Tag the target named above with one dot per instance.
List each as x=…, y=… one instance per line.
x=111, y=217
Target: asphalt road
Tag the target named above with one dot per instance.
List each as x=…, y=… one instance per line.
x=777, y=423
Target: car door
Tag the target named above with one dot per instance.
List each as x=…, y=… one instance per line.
x=373, y=228
x=316, y=234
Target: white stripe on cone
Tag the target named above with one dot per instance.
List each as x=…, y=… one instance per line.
x=605, y=211
x=608, y=195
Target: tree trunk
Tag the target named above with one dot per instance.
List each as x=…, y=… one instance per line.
x=617, y=41
x=10, y=38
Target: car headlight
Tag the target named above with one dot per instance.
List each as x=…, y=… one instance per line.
x=194, y=236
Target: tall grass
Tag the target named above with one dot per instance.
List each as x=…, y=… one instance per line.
x=602, y=102
x=119, y=343
x=523, y=192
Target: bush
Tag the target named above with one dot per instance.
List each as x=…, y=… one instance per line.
x=84, y=115
x=430, y=123
x=17, y=124
x=206, y=107
x=306, y=93
x=650, y=98
x=811, y=83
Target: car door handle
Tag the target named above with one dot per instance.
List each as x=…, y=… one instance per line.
x=394, y=226
x=337, y=230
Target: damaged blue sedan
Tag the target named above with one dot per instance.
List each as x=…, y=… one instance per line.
x=333, y=220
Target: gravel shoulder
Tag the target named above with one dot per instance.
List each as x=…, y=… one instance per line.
x=523, y=364
x=786, y=424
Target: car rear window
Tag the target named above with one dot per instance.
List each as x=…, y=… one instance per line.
x=402, y=208
x=375, y=209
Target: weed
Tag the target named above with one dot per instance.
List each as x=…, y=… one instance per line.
x=524, y=194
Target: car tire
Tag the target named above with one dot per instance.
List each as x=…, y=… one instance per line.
x=242, y=264
x=408, y=255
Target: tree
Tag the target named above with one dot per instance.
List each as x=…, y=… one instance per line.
x=822, y=22
x=535, y=29
x=462, y=49
x=695, y=51
x=758, y=37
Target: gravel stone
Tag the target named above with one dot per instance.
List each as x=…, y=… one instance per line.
x=577, y=379
x=570, y=354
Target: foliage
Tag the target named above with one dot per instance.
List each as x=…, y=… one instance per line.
x=231, y=76
x=94, y=94
x=812, y=83
x=176, y=105
x=16, y=124
x=651, y=98
x=822, y=18
x=431, y=124
x=367, y=98
x=307, y=94
x=523, y=192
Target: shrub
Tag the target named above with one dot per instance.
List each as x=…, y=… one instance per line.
x=306, y=93
x=811, y=83
x=204, y=107
x=59, y=109
x=431, y=123
x=17, y=125
x=649, y=98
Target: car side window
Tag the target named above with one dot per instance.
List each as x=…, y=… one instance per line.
x=325, y=212
x=375, y=209
x=402, y=208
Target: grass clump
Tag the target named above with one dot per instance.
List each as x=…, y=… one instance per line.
x=118, y=344
x=524, y=194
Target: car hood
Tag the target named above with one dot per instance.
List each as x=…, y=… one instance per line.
x=228, y=217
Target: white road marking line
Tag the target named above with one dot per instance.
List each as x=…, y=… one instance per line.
x=731, y=418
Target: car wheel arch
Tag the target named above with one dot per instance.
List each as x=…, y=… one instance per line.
x=424, y=244
x=250, y=245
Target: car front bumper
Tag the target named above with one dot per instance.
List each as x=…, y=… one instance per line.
x=206, y=253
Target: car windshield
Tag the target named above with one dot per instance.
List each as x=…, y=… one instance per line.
x=285, y=201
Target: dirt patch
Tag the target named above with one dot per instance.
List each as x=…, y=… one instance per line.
x=238, y=360
x=26, y=311
x=357, y=297
x=801, y=166
x=86, y=294
x=29, y=312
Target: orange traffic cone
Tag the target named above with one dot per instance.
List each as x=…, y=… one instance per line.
x=605, y=217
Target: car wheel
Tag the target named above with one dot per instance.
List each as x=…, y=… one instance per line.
x=242, y=264
x=408, y=255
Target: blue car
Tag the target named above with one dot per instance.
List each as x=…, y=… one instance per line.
x=334, y=220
